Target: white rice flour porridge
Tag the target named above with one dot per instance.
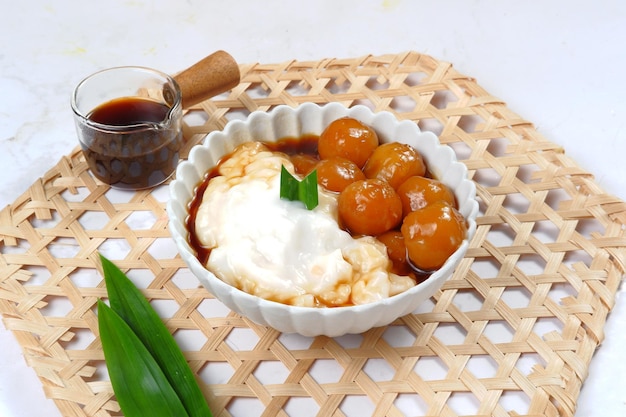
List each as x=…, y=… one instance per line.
x=279, y=250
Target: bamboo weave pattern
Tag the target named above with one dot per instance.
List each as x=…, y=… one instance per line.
x=512, y=333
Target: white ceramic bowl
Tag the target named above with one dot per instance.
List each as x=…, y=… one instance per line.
x=285, y=121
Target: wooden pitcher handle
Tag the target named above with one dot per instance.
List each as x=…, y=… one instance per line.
x=207, y=78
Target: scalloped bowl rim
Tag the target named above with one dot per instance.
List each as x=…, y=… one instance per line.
x=309, y=118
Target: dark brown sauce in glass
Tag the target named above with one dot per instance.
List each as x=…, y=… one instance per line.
x=138, y=155
x=127, y=111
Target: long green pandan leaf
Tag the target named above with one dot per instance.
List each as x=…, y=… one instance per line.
x=139, y=384
x=127, y=301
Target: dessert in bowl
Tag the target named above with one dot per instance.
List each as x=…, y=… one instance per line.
x=326, y=269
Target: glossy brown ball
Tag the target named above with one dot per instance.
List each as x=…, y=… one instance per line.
x=417, y=192
x=394, y=162
x=369, y=207
x=432, y=234
x=303, y=163
x=396, y=250
x=336, y=173
x=347, y=138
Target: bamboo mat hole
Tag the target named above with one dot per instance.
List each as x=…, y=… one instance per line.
x=499, y=332
x=471, y=123
x=211, y=306
x=485, y=267
x=487, y=177
x=416, y=78
x=430, y=124
x=196, y=118
x=51, y=220
x=531, y=264
x=441, y=99
x=36, y=276
x=501, y=235
x=516, y=297
x=516, y=203
x=115, y=248
x=298, y=405
x=464, y=402
x=325, y=371
x=298, y=88
x=75, y=194
x=20, y=247
x=353, y=404
x=431, y=368
x=461, y=149
x=93, y=220
x=59, y=305
x=141, y=220
x=190, y=339
x=515, y=400
x=411, y=404
x=166, y=309
x=81, y=339
x=467, y=301
x=402, y=104
x=215, y=373
x=64, y=247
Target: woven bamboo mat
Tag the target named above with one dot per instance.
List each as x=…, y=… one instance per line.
x=512, y=333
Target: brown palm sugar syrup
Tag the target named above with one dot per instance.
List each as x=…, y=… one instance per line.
x=142, y=154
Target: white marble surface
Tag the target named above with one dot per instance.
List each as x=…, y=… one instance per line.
x=559, y=64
